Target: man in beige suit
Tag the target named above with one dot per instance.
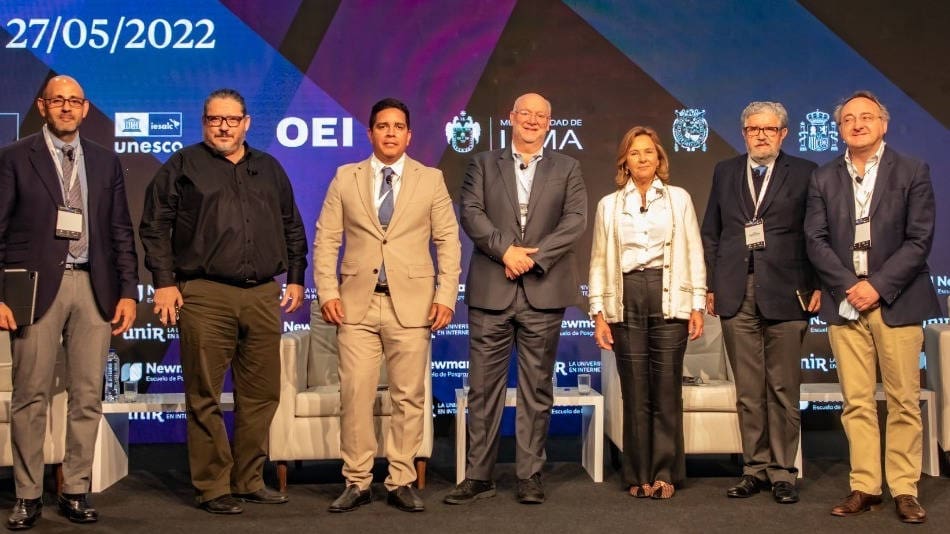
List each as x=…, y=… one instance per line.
x=388, y=298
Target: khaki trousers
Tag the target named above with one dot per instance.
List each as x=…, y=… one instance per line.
x=362, y=349
x=76, y=319
x=860, y=346
x=225, y=326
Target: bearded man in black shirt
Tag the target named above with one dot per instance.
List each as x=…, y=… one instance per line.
x=219, y=224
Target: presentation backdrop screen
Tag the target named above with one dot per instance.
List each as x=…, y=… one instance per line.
x=310, y=72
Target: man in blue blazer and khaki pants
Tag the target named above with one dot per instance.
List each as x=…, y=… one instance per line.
x=63, y=213
x=870, y=226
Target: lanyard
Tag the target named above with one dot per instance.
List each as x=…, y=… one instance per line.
x=757, y=201
x=77, y=154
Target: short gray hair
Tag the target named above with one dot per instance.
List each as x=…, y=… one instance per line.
x=761, y=107
x=863, y=93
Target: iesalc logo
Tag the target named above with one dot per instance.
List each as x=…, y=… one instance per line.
x=152, y=124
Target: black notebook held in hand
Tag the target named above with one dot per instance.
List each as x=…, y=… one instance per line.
x=19, y=294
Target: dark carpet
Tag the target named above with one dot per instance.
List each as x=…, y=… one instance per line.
x=157, y=497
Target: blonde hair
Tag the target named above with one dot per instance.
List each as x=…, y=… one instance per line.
x=623, y=174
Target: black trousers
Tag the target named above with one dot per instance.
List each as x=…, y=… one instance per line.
x=649, y=351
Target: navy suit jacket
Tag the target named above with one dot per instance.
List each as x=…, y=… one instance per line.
x=902, y=229
x=557, y=216
x=782, y=267
x=30, y=193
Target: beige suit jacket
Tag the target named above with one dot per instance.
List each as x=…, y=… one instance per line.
x=423, y=214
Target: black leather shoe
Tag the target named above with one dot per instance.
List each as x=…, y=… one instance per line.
x=747, y=487
x=784, y=492
x=225, y=504
x=77, y=509
x=406, y=498
x=470, y=490
x=351, y=499
x=262, y=496
x=530, y=490
x=25, y=512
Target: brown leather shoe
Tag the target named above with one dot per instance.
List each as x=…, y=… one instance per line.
x=909, y=510
x=855, y=503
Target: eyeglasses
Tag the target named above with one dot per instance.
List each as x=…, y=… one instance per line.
x=216, y=120
x=524, y=115
x=58, y=102
x=864, y=118
x=755, y=131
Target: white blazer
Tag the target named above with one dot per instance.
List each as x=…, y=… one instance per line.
x=684, y=270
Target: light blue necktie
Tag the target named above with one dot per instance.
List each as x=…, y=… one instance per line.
x=385, y=209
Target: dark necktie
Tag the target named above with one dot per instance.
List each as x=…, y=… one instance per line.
x=758, y=178
x=385, y=209
x=77, y=247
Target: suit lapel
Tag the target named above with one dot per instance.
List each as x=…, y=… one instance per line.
x=43, y=165
x=742, y=194
x=544, y=169
x=779, y=175
x=410, y=180
x=880, y=183
x=93, y=186
x=506, y=167
x=364, y=183
x=847, y=190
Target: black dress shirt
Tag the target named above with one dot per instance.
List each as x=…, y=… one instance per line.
x=206, y=217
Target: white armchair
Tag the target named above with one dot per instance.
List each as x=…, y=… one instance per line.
x=710, y=421
x=937, y=349
x=54, y=446
x=307, y=423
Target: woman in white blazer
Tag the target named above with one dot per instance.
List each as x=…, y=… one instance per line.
x=647, y=296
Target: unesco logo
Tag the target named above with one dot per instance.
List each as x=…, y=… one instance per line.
x=148, y=124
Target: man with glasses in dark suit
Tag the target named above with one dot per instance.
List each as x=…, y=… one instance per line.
x=63, y=213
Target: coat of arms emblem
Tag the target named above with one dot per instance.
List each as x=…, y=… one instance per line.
x=462, y=132
x=690, y=130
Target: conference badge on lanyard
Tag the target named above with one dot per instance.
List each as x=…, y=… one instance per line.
x=755, y=234
x=862, y=234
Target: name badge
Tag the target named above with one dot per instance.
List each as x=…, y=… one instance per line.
x=69, y=222
x=523, y=209
x=862, y=234
x=755, y=234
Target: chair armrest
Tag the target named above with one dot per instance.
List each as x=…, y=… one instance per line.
x=294, y=352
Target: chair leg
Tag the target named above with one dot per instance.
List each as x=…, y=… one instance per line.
x=58, y=469
x=421, y=472
x=282, y=476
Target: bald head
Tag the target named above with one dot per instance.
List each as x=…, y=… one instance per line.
x=63, y=106
x=530, y=122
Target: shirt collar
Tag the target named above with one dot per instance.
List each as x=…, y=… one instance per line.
x=656, y=188
x=58, y=143
x=517, y=155
x=397, y=166
x=872, y=160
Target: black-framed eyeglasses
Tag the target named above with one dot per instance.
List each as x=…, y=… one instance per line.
x=216, y=120
x=58, y=102
x=769, y=131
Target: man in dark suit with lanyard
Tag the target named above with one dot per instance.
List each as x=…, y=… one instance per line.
x=63, y=213
x=524, y=208
x=870, y=226
x=760, y=284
